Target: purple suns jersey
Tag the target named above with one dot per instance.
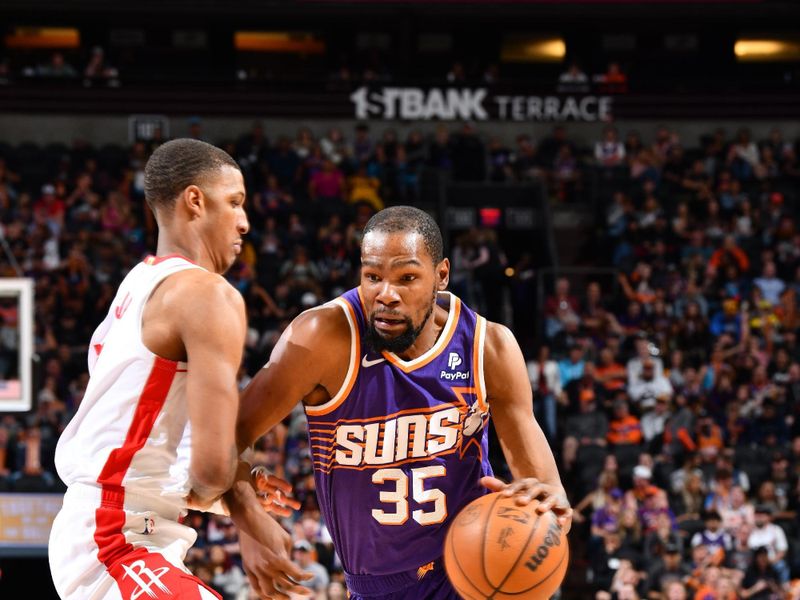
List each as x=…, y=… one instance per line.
x=399, y=450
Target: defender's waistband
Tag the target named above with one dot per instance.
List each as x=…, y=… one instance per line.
x=123, y=499
x=380, y=585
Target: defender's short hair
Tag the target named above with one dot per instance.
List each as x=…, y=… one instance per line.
x=407, y=218
x=176, y=165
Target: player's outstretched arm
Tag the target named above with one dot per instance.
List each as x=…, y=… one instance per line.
x=303, y=365
x=209, y=318
x=309, y=360
x=524, y=444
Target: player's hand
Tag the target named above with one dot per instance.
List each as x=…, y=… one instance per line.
x=526, y=490
x=274, y=493
x=267, y=562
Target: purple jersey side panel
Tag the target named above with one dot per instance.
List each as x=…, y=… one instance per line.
x=399, y=456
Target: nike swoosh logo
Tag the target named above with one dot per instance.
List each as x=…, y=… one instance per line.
x=370, y=363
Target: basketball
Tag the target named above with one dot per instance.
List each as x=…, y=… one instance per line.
x=497, y=549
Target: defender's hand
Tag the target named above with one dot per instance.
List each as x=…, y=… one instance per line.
x=267, y=562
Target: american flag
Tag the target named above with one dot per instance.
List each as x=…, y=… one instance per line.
x=10, y=390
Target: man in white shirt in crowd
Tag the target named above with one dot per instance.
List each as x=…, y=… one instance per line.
x=645, y=389
x=772, y=537
x=636, y=364
x=653, y=421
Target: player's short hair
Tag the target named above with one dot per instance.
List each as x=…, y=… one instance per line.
x=409, y=219
x=176, y=165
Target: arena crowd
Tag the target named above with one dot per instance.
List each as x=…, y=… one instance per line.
x=670, y=392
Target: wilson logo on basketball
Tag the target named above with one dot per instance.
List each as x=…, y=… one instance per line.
x=551, y=538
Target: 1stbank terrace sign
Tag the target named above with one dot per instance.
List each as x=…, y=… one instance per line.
x=474, y=104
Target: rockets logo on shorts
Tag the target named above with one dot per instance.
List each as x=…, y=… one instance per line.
x=146, y=578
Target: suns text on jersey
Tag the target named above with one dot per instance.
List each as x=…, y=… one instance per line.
x=398, y=439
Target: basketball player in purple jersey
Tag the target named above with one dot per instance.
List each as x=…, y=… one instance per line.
x=397, y=378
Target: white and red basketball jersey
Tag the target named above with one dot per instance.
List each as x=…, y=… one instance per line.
x=131, y=435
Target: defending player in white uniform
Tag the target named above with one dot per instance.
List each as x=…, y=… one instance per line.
x=155, y=432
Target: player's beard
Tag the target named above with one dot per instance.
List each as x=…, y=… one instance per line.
x=399, y=343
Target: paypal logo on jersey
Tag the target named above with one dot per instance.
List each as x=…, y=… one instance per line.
x=453, y=361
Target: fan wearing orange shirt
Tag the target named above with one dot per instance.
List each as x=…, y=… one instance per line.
x=624, y=429
x=609, y=373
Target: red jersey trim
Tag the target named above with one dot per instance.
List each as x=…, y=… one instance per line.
x=110, y=516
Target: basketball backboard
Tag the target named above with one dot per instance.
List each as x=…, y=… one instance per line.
x=16, y=344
